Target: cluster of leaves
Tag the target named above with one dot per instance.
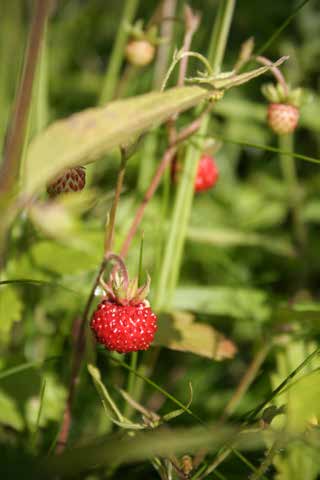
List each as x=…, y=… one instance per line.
x=246, y=286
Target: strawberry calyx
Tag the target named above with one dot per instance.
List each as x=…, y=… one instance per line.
x=136, y=32
x=278, y=94
x=120, y=289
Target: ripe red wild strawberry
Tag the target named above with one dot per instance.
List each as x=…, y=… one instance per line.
x=139, y=52
x=207, y=174
x=283, y=118
x=124, y=321
x=72, y=180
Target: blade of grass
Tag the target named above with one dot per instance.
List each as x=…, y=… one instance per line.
x=251, y=416
x=172, y=260
x=34, y=436
x=44, y=283
x=279, y=30
x=25, y=366
x=267, y=148
x=160, y=389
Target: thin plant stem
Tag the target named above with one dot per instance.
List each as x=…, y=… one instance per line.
x=166, y=159
x=245, y=382
x=80, y=324
x=14, y=145
x=268, y=148
x=220, y=34
x=112, y=75
x=148, y=160
x=276, y=72
x=37, y=425
x=279, y=30
x=134, y=355
x=290, y=178
x=259, y=473
x=172, y=260
x=192, y=21
x=166, y=31
x=112, y=216
x=131, y=383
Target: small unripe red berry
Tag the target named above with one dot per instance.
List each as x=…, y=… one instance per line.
x=72, y=180
x=139, y=52
x=207, y=174
x=283, y=118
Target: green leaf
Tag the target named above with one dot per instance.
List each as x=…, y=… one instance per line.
x=145, y=445
x=226, y=237
x=109, y=405
x=179, y=332
x=235, y=302
x=10, y=310
x=62, y=259
x=86, y=136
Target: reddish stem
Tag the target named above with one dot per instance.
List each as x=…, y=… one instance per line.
x=11, y=163
x=165, y=162
x=166, y=159
x=276, y=72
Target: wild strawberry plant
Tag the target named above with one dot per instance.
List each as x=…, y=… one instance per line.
x=206, y=361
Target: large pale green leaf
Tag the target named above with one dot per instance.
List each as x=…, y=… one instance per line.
x=180, y=332
x=236, y=302
x=86, y=136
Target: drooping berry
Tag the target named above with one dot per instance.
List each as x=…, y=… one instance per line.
x=72, y=180
x=139, y=52
x=283, y=118
x=207, y=174
x=124, y=321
